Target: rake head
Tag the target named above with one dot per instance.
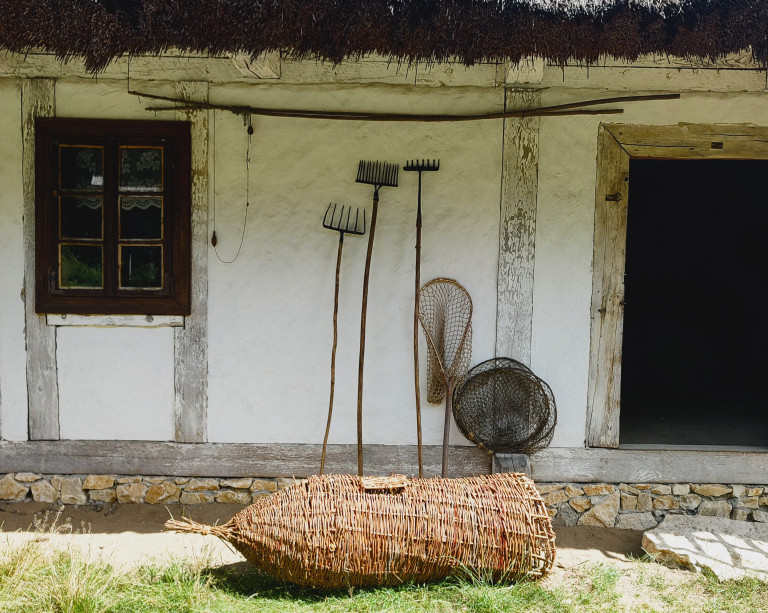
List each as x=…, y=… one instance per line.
x=342, y=220
x=422, y=165
x=378, y=174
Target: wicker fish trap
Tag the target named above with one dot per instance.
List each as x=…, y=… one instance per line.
x=336, y=531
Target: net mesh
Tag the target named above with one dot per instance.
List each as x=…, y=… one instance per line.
x=503, y=407
x=445, y=313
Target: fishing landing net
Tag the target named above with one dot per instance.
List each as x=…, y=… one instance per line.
x=336, y=531
x=445, y=313
x=503, y=407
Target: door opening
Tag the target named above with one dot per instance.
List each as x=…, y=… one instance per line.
x=695, y=340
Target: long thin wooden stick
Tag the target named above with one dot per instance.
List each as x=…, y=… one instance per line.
x=447, y=428
x=333, y=351
x=571, y=108
x=416, y=335
x=367, y=275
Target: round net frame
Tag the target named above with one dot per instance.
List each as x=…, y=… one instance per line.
x=445, y=313
x=503, y=407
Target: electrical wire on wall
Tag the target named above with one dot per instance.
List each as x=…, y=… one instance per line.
x=247, y=121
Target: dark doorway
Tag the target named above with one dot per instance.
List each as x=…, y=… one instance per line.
x=695, y=344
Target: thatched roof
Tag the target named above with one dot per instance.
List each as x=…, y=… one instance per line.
x=469, y=31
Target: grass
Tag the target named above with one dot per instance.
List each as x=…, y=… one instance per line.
x=32, y=581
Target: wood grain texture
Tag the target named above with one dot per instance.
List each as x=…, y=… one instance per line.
x=517, y=230
x=607, y=312
x=693, y=141
x=37, y=100
x=648, y=466
x=229, y=459
x=191, y=341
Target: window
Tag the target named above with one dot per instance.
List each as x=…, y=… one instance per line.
x=112, y=217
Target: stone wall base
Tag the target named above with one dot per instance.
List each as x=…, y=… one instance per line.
x=108, y=489
x=633, y=506
x=642, y=506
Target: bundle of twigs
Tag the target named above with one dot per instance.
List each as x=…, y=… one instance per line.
x=338, y=531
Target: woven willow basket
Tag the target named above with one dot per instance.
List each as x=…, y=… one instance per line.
x=337, y=531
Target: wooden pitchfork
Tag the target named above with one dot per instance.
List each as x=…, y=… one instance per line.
x=343, y=223
x=378, y=174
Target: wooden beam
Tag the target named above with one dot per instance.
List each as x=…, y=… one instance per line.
x=607, y=312
x=517, y=231
x=37, y=100
x=230, y=459
x=191, y=341
x=648, y=466
x=693, y=141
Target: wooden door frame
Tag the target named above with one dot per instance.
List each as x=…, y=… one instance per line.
x=618, y=144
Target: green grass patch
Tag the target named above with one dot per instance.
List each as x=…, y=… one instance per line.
x=65, y=582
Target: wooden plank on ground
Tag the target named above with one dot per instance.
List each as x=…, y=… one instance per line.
x=230, y=459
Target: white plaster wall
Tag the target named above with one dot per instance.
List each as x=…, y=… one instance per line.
x=271, y=311
x=13, y=380
x=115, y=383
x=565, y=224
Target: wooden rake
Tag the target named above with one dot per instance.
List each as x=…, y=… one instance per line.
x=378, y=174
x=418, y=166
x=344, y=223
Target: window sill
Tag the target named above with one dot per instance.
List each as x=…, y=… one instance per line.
x=117, y=321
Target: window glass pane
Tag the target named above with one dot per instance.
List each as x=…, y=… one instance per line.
x=141, y=217
x=81, y=168
x=141, y=267
x=80, y=217
x=141, y=169
x=80, y=266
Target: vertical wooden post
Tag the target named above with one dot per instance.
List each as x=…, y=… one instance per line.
x=607, y=312
x=191, y=341
x=37, y=100
x=517, y=230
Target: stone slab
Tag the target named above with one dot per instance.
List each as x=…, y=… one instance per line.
x=730, y=549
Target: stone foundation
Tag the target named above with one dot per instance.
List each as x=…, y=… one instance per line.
x=633, y=506
x=642, y=506
x=108, y=489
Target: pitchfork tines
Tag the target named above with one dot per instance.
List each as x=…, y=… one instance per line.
x=378, y=174
x=342, y=221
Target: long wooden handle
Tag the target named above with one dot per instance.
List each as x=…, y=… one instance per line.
x=333, y=351
x=416, y=343
x=447, y=428
x=362, y=335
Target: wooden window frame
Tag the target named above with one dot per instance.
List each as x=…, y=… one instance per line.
x=617, y=145
x=174, y=297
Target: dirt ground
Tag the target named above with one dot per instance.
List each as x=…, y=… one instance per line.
x=130, y=534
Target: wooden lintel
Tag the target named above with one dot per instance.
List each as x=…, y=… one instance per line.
x=230, y=459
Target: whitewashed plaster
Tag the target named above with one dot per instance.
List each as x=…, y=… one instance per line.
x=270, y=312
x=13, y=379
x=115, y=383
